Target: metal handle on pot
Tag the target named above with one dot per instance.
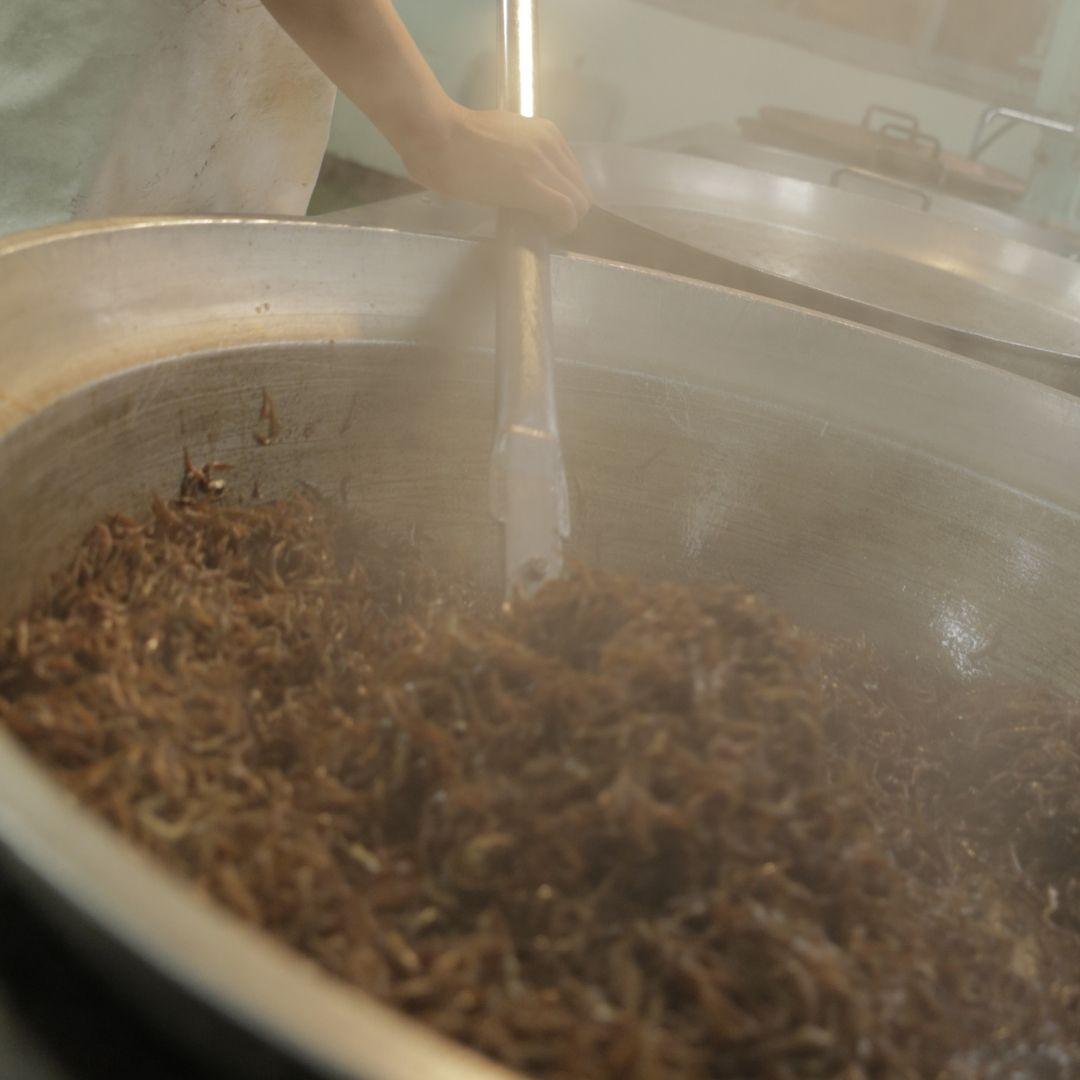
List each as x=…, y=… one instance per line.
x=900, y=135
x=908, y=121
x=901, y=146
x=882, y=181
x=528, y=481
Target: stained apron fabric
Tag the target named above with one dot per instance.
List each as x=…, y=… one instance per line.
x=119, y=107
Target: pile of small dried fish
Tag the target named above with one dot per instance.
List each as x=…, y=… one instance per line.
x=617, y=830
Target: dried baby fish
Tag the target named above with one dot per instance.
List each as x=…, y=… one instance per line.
x=197, y=483
x=615, y=829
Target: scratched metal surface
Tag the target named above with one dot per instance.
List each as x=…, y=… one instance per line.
x=864, y=482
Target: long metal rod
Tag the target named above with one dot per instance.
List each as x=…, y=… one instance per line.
x=529, y=493
x=519, y=56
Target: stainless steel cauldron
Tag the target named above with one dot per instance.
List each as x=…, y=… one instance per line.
x=860, y=480
x=928, y=278
x=715, y=141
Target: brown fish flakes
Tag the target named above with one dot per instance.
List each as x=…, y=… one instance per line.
x=617, y=830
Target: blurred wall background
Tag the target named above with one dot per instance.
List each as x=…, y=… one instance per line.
x=624, y=70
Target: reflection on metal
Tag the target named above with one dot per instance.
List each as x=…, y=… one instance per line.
x=519, y=56
x=958, y=626
x=864, y=482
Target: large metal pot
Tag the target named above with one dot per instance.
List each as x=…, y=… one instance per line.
x=937, y=281
x=718, y=143
x=864, y=482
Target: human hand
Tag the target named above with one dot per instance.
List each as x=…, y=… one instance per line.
x=500, y=159
x=495, y=158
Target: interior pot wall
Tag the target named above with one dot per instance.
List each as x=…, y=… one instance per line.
x=850, y=531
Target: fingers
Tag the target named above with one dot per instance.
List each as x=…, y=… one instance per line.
x=559, y=149
x=571, y=180
x=500, y=159
x=554, y=206
x=555, y=178
x=553, y=165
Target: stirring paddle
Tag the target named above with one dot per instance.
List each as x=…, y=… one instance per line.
x=528, y=480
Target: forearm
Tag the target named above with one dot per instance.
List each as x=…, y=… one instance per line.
x=490, y=157
x=365, y=48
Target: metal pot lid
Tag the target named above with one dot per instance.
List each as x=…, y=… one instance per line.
x=897, y=262
x=717, y=143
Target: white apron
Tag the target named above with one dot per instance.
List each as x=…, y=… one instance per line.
x=113, y=107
